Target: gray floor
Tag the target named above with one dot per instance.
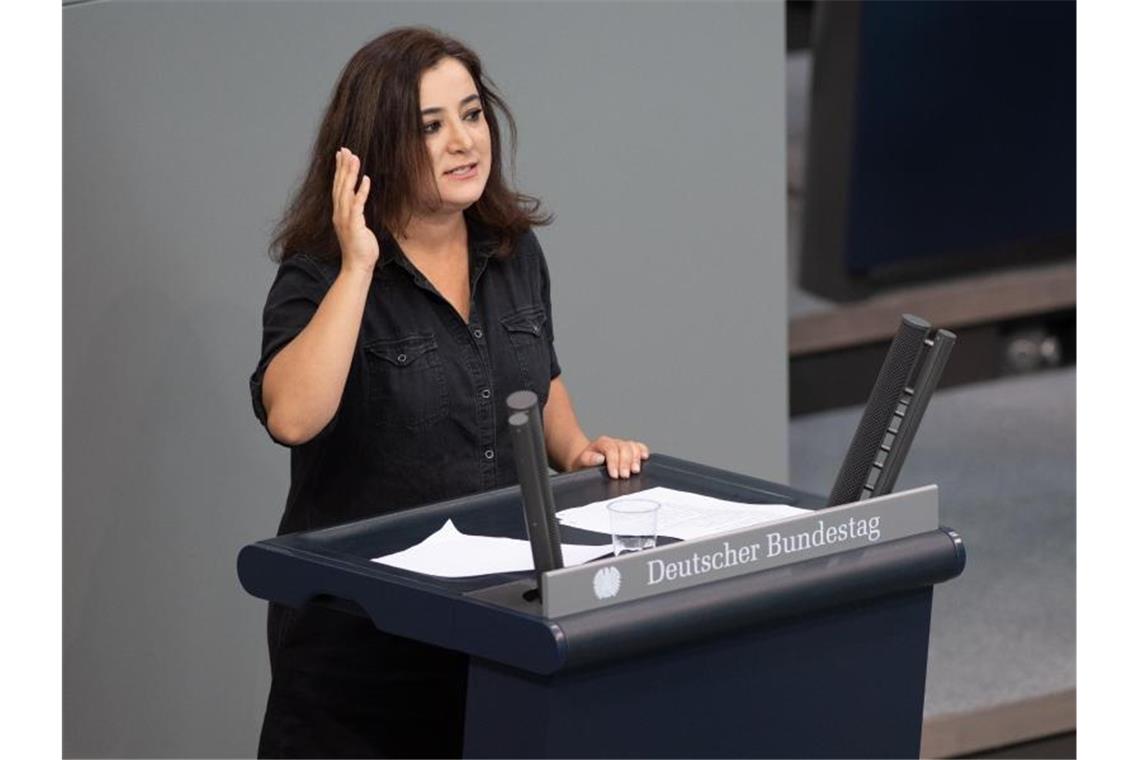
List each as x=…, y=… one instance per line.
x=1004, y=456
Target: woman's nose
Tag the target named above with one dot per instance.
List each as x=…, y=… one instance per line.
x=460, y=138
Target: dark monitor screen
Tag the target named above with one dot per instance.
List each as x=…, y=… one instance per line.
x=958, y=121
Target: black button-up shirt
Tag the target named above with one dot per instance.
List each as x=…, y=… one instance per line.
x=423, y=416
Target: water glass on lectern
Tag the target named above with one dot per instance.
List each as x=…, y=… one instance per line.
x=633, y=523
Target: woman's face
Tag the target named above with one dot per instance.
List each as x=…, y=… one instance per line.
x=455, y=133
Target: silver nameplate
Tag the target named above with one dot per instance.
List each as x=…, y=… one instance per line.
x=689, y=563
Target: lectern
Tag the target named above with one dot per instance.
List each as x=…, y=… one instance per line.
x=821, y=653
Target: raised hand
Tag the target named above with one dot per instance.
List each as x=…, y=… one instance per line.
x=359, y=248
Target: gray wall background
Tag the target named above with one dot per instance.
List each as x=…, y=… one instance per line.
x=656, y=133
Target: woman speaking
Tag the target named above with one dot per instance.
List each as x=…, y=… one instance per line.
x=412, y=296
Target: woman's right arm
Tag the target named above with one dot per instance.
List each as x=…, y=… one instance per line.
x=305, y=380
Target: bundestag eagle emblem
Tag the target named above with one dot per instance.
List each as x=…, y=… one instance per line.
x=607, y=581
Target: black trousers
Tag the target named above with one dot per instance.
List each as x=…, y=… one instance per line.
x=341, y=688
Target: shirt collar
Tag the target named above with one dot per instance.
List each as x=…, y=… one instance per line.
x=481, y=244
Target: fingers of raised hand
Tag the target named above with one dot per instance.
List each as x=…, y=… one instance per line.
x=344, y=184
x=338, y=177
x=351, y=166
x=361, y=195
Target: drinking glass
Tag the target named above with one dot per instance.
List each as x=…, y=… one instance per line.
x=633, y=523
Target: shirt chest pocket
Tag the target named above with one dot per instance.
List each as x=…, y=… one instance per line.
x=407, y=388
x=526, y=333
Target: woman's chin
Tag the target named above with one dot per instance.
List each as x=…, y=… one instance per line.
x=450, y=203
x=461, y=194
x=459, y=203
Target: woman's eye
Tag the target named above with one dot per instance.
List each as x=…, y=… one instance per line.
x=431, y=127
x=473, y=115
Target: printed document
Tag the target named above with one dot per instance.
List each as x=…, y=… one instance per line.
x=447, y=553
x=683, y=515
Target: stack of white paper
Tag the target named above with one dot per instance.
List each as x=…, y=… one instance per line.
x=683, y=515
x=447, y=553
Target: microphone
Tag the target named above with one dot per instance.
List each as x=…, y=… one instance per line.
x=525, y=423
x=898, y=400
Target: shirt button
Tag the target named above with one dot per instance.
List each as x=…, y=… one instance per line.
x=485, y=393
x=489, y=454
x=477, y=333
x=535, y=329
x=402, y=358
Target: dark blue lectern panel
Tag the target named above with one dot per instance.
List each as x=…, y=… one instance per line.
x=847, y=682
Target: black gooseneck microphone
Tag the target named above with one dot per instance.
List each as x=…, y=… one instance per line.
x=906, y=381
x=525, y=423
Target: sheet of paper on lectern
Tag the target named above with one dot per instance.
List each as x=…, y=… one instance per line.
x=447, y=553
x=683, y=514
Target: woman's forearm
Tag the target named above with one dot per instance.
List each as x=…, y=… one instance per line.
x=564, y=436
x=568, y=448
x=304, y=382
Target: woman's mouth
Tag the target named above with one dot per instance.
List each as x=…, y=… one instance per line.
x=466, y=171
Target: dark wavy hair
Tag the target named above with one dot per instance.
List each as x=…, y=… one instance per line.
x=375, y=113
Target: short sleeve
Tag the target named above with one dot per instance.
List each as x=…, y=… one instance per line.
x=297, y=291
x=544, y=273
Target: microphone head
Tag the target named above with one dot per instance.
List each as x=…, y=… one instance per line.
x=914, y=321
x=522, y=401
